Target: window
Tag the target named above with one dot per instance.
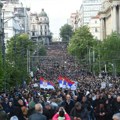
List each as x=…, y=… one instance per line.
x=41, y=27
x=45, y=33
x=33, y=27
x=6, y=35
x=33, y=33
x=96, y=30
x=6, y=24
x=45, y=27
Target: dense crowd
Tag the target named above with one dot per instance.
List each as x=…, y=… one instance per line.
x=90, y=101
x=33, y=103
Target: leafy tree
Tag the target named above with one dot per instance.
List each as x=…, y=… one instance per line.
x=81, y=42
x=110, y=51
x=66, y=32
x=1, y=71
x=16, y=68
x=40, y=51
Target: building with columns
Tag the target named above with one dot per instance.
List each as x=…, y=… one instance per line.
x=39, y=27
x=109, y=18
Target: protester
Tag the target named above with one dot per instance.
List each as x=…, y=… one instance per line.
x=48, y=111
x=79, y=113
x=38, y=113
x=90, y=95
x=116, y=116
x=61, y=115
x=68, y=104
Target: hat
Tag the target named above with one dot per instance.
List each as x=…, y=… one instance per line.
x=14, y=118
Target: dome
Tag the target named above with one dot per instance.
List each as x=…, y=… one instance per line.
x=43, y=13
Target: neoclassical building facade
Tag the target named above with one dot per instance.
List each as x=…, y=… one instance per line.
x=39, y=27
x=109, y=18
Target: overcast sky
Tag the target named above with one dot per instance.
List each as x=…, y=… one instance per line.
x=58, y=11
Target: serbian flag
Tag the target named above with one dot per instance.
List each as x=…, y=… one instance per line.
x=51, y=85
x=62, y=82
x=45, y=84
x=69, y=82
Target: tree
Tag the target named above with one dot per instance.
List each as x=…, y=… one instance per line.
x=81, y=42
x=66, y=32
x=110, y=52
x=16, y=64
x=40, y=51
x=1, y=71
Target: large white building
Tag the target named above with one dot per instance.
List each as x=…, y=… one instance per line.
x=94, y=26
x=88, y=9
x=39, y=27
x=1, y=5
x=109, y=17
x=16, y=19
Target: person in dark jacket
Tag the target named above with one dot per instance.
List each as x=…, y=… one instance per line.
x=17, y=111
x=79, y=113
x=48, y=111
x=116, y=106
x=68, y=104
x=38, y=113
x=101, y=112
x=5, y=105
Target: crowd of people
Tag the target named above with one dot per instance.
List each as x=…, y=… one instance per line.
x=90, y=101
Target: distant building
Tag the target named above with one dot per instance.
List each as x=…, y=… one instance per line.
x=88, y=9
x=16, y=19
x=94, y=26
x=1, y=5
x=109, y=17
x=10, y=1
x=39, y=27
x=74, y=19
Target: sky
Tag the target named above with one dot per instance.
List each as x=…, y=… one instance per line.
x=58, y=11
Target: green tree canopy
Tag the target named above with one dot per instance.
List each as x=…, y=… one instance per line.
x=110, y=50
x=66, y=32
x=80, y=42
x=1, y=71
x=40, y=50
x=17, y=48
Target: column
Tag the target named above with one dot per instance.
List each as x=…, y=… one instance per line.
x=114, y=18
x=102, y=27
x=119, y=19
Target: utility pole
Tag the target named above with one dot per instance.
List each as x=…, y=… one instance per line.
x=3, y=51
x=93, y=61
x=89, y=54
